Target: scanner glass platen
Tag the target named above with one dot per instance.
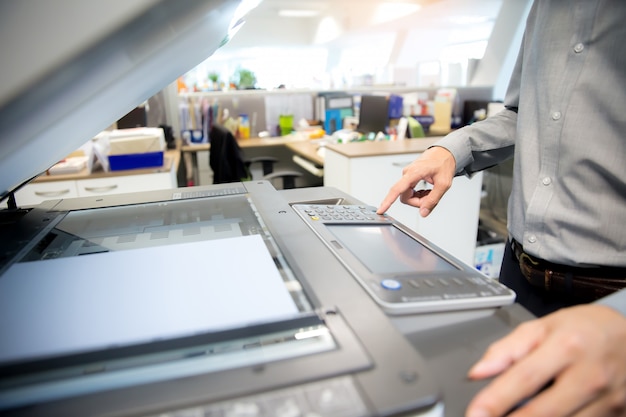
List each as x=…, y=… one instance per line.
x=178, y=288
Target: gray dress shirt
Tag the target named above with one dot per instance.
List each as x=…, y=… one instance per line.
x=565, y=124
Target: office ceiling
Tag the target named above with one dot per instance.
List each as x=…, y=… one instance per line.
x=356, y=20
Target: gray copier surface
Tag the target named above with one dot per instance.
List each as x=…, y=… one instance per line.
x=85, y=278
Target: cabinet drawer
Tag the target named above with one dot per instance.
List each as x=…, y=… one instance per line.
x=124, y=184
x=34, y=193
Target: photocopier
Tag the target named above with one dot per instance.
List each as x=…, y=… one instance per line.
x=223, y=300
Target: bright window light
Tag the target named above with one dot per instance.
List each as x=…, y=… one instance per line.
x=464, y=51
x=327, y=30
x=369, y=56
x=386, y=12
x=293, y=67
x=298, y=13
x=244, y=8
x=468, y=20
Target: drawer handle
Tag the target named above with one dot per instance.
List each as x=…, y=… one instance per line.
x=52, y=193
x=103, y=189
x=401, y=164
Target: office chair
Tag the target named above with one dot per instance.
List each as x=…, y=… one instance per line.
x=225, y=157
x=228, y=164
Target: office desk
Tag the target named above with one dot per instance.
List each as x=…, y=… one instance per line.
x=308, y=155
x=99, y=182
x=249, y=143
x=190, y=157
x=311, y=154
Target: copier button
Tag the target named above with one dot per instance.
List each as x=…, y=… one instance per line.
x=390, y=284
x=414, y=283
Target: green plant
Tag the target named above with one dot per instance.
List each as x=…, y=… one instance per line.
x=214, y=77
x=244, y=78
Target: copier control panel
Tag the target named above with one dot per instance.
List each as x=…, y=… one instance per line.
x=402, y=271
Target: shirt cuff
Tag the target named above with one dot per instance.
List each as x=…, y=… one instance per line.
x=458, y=145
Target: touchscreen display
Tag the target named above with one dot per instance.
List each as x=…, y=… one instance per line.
x=385, y=249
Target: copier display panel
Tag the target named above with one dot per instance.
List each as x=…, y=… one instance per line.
x=387, y=250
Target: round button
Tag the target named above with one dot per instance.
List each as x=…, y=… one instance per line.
x=532, y=239
x=578, y=48
x=546, y=181
x=556, y=115
x=390, y=284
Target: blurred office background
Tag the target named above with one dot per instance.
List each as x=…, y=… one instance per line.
x=337, y=44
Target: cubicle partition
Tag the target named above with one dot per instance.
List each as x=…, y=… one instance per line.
x=263, y=107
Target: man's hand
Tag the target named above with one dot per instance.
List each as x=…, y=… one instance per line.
x=435, y=166
x=578, y=354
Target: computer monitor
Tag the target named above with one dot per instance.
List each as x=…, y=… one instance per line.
x=373, y=114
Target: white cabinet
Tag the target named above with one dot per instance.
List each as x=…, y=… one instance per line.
x=452, y=225
x=126, y=184
x=36, y=192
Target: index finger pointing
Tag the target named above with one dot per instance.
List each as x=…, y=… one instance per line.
x=391, y=197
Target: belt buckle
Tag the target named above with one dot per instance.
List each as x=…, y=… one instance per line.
x=547, y=279
x=535, y=275
x=524, y=256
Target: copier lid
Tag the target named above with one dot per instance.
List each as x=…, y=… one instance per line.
x=70, y=68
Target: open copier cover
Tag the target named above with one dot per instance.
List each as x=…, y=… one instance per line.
x=71, y=68
x=224, y=300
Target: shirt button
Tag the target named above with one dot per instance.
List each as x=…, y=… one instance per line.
x=578, y=48
x=556, y=115
x=546, y=181
x=532, y=239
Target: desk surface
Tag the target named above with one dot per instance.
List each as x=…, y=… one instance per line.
x=171, y=159
x=250, y=143
x=308, y=150
x=376, y=148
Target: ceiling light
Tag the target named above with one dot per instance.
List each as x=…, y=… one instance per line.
x=386, y=12
x=468, y=20
x=298, y=13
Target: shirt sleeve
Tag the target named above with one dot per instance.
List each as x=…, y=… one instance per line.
x=617, y=301
x=483, y=144
x=489, y=142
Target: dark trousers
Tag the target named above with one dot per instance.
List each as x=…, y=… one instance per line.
x=537, y=300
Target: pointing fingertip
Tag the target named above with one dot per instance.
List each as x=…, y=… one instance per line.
x=478, y=369
x=424, y=211
x=477, y=412
x=486, y=368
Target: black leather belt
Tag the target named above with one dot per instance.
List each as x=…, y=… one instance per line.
x=584, y=284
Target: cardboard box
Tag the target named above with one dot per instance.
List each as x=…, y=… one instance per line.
x=136, y=148
x=136, y=141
